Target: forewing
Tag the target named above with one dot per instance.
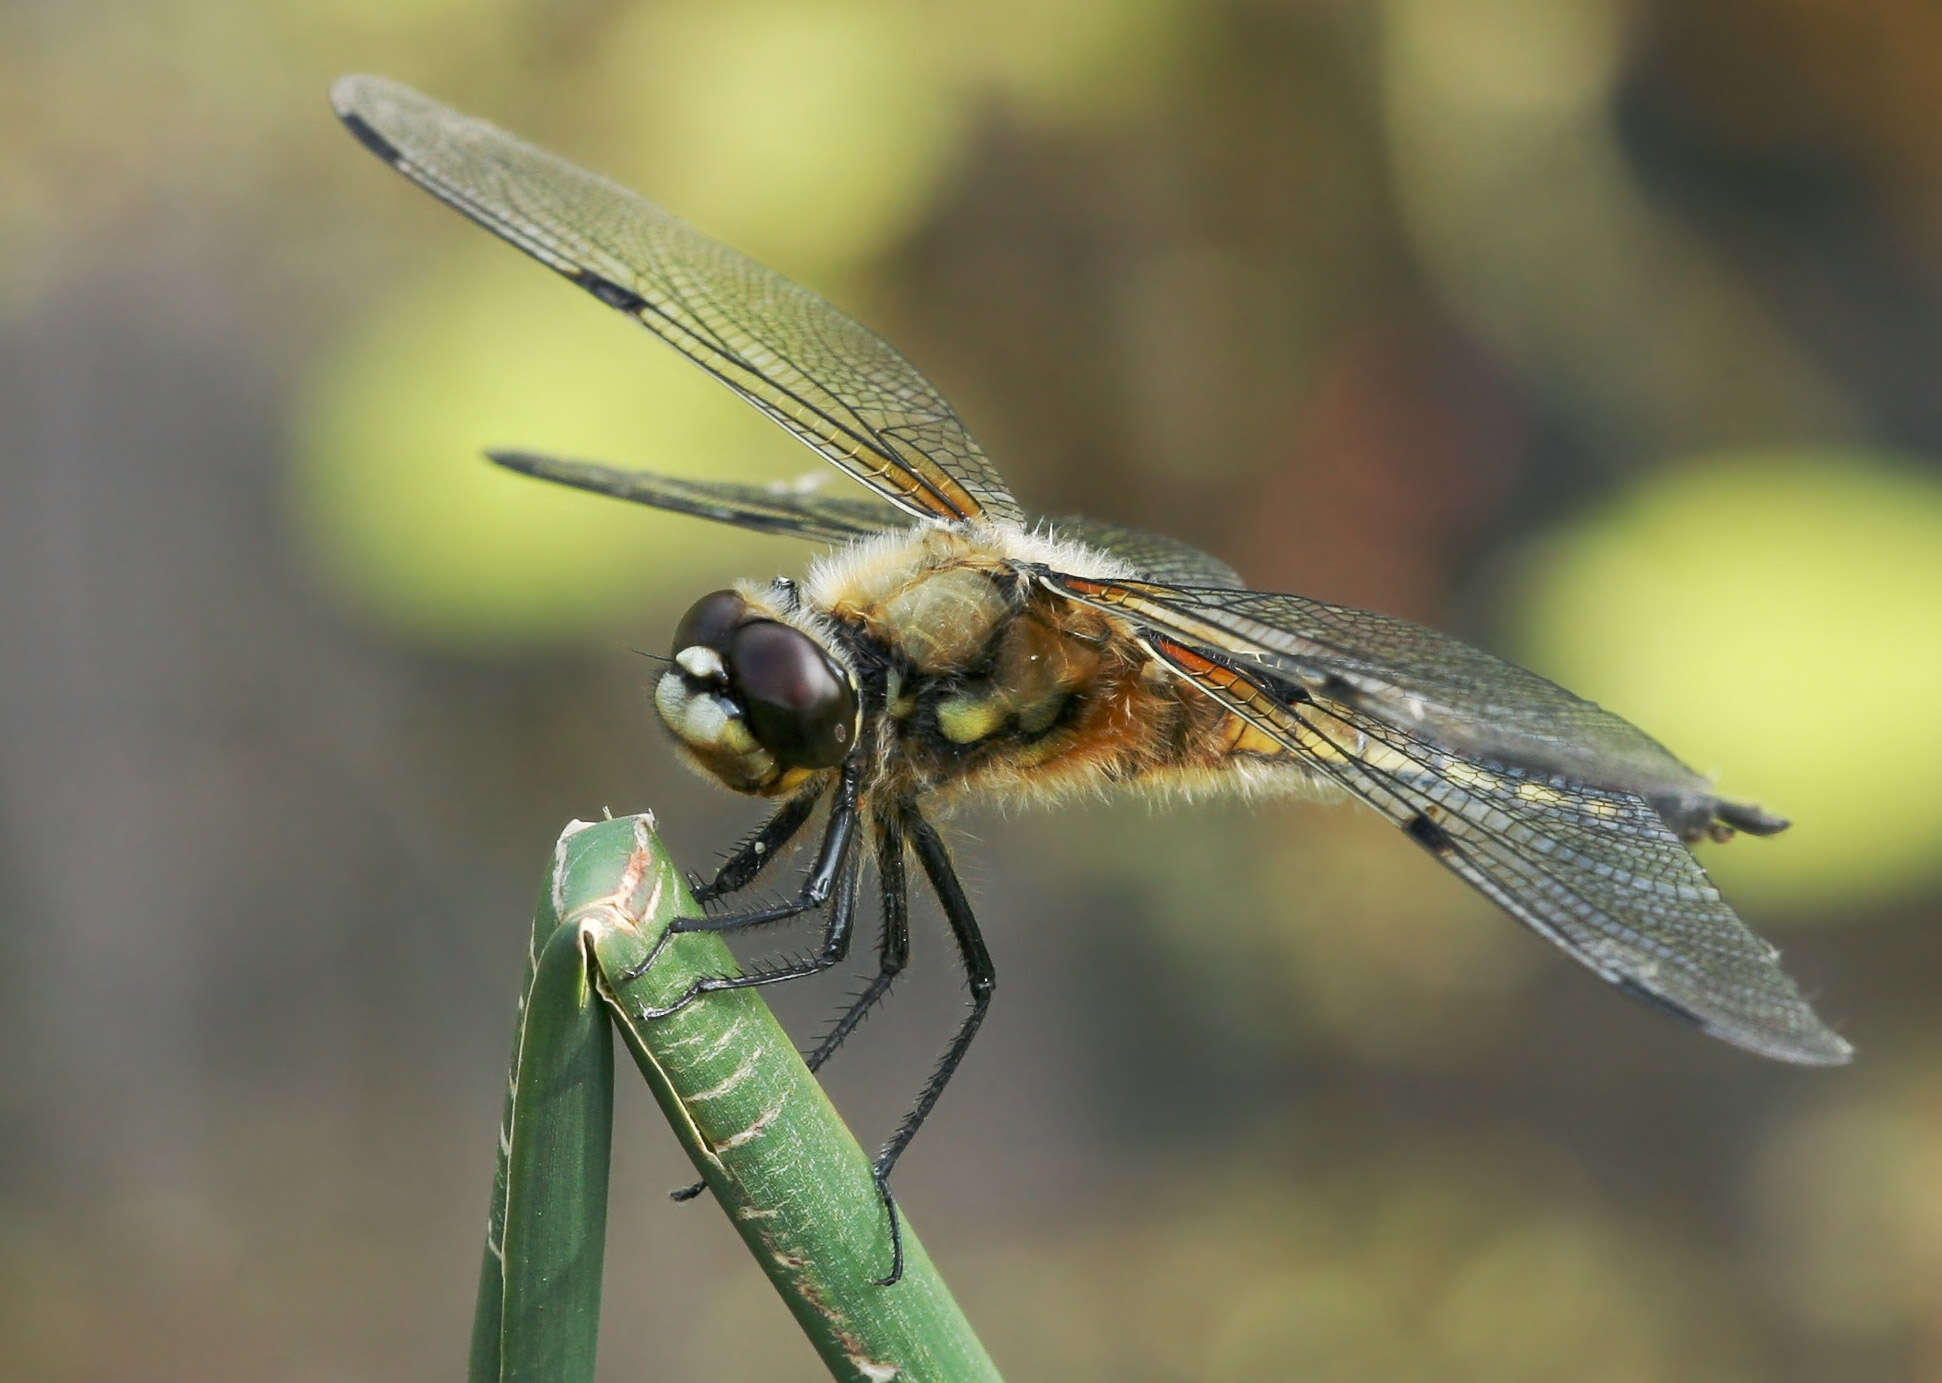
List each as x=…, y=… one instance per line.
x=1428, y=683
x=1595, y=870
x=1155, y=556
x=833, y=383
x=804, y=511
x=799, y=512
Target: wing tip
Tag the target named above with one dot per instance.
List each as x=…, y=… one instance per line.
x=1810, y=1043
x=347, y=92
x=579, y=475
x=352, y=97
x=1821, y=1046
x=525, y=462
x=1745, y=816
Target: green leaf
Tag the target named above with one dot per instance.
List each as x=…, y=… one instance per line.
x=758, y=1127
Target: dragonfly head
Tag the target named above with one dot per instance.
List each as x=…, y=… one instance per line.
x=755, y=700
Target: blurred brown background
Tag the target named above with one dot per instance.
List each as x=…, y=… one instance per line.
x=1606, y=335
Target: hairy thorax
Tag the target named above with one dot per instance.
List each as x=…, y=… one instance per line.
x=989, y=682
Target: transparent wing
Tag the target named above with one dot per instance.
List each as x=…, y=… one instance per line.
x=1154, y=555
x=834, y=384
x=1598, y=867
x=1595, y=870
x=806, y=512
x=1432, y=685
x=798, y=512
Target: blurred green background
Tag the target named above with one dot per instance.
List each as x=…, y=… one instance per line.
x=1604, y=334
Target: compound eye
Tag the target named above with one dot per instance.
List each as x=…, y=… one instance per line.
x=800, y=705
x=710, y=621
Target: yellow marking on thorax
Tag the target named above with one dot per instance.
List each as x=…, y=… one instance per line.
x=969, y=719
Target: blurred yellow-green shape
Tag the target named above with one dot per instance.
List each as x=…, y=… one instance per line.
x=820, y=134
x=408, y=522
x=1076, y=64
x=1773, y=618
x=805, y=135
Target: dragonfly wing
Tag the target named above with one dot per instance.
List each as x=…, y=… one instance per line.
x=1595, y=870
x=796, y=511
x=833, y=383
x=1155, y=556
x=1438, y=687
x=1599, y=870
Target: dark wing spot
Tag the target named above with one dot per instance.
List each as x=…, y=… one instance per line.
x=609, y=292
x=370, y=138
x=1429, y=835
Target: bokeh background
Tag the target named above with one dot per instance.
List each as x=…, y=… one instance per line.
x=1603, y=334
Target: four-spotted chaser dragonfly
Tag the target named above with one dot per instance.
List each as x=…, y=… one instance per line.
x=951, y=645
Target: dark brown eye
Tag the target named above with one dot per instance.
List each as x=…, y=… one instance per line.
x=800, y=706
x=710, y=621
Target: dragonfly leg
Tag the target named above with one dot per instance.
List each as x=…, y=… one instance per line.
x=752, y=855
x=893, y=947
x=982, y=978
x=893, y=951
x=834, y=861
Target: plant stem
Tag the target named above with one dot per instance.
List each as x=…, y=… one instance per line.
x=758, y=1127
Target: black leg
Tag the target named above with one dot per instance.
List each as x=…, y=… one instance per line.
x=978, y=971
x=749, y=858
x=832, y=859
x=836, y=870
x=893, y=951
x=836, y=945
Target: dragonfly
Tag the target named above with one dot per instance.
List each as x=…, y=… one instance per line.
x=950, y=646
